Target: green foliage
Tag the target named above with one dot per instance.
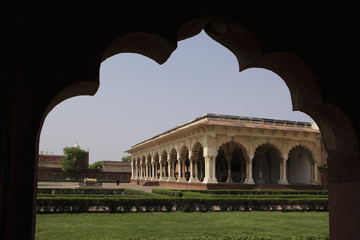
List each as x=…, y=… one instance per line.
x=74, y=158
x=96, y=165
x=84, y=200
x=126, y=158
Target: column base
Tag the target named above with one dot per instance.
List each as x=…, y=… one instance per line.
x=181, y=180
x=229, y=180
x=209, y=180
x=191, y=180
x=171, y=179
x=249, y=181
x=283, y=182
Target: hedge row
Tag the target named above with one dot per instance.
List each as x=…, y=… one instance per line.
x=173, y=192
x=89, y=191
x=153, y=204
x=212, y=194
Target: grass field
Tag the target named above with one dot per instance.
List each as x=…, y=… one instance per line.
x=277, y=225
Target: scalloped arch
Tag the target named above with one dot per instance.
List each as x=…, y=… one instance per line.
x=229, y=146
x=306, y=149
x=151, y=45
x=305, y=91
x=265, y=147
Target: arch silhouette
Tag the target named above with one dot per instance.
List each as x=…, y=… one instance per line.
x=26, y=106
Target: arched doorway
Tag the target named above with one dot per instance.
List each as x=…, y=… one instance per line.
x=198, y=162
x=300, y=166
x=266, y=164
x=234, y=155
x=148, y=167
x=238, y=167
x=173, y=162
x=184, y=164
x=156, y=166
x=163, y=166
x=221, y=166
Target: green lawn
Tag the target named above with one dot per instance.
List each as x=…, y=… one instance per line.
x=277, y=225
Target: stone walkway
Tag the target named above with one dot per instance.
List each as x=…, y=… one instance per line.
x=104, y=185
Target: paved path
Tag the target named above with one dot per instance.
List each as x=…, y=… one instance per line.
x=104, y=185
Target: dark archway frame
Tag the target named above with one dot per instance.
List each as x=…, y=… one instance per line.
x=299, y=55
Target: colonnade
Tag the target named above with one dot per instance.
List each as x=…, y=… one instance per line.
x=229, y=164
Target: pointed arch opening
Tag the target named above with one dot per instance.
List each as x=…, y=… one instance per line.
x=231, y=162
x=301, y=166
x=184, y=164
x=266, y=164
x=198, y=162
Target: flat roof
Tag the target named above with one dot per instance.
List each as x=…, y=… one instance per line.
x=240, y=121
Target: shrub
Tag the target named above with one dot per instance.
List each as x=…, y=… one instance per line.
x=153, y=203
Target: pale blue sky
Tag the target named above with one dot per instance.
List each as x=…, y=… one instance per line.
x=138, y=99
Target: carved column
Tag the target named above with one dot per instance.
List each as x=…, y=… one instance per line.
x=283, y=179
x=171, y=163
x=249, y=178
x=193, y=171
x=260, y=180
x=228, y=160
x=209, y=170
x=161, y=171
x=181, y=177
x=314, y=177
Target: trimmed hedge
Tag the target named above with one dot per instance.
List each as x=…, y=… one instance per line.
x=230, y=192
x=90, y=191
x=127, y=200
x=151, y=204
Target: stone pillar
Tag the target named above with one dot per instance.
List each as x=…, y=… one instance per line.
x=193, y=173
x=283, y=179
x=249, y=178
x=152, y=170
x=314, y=179
x=132, y=171
x=141, y=172
x=209, y=170
x=213, y=169
x=161, y=172
x=260, y=180
x=228, y=160
x=171, y=170
x=155, y=171
x=146, y=171
x=181, y=170
x=196, y=170
x=136, y=171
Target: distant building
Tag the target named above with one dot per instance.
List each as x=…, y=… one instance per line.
x=49, y=168
x=221, y=151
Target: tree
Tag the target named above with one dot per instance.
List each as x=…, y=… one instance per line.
x=97, y=165
x=126, y=158
x=74, y=158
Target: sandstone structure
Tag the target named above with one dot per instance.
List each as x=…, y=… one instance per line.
x=217, y=149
